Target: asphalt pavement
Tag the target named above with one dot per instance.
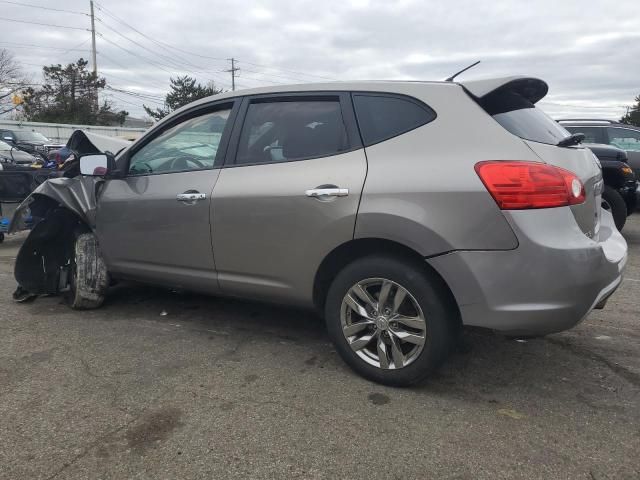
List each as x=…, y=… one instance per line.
x=164, y=385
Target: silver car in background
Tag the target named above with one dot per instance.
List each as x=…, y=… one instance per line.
x=399, y=210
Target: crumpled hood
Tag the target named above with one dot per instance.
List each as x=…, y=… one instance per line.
x=77, y=194
x=82, y=142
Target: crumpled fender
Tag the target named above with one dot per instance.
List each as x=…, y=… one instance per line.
x=77, y=194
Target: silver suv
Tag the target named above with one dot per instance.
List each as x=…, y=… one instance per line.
x=399, y=210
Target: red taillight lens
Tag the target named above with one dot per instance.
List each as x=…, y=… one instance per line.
x=524, y=185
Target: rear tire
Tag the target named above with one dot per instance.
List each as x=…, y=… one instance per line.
x=89, y=279
x=614, y=203
x=425, y=304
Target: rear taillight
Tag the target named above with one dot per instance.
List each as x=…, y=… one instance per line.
x=524, y=185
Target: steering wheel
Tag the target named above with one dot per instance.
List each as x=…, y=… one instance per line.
x=182, y=163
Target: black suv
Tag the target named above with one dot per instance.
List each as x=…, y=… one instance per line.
x=619, y=195
x=28, y=141
x=626, y=137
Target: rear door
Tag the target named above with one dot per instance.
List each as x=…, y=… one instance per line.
x=289, y=197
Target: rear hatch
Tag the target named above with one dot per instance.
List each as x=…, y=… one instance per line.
x=511, y=102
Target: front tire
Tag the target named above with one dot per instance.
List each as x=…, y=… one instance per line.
x=390, y=321
x=613, y=201
x=89, y=279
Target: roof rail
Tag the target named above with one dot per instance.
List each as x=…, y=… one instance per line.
x=590, y=120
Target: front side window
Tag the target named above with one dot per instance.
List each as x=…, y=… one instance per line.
x=189, y=145
x=625, y=138
x=382, y=116
x=278, y=131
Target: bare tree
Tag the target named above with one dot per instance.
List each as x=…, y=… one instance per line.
x=12, y=80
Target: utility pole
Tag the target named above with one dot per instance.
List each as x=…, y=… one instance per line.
x=233, y=71
x=93, y=40
x=93, y=54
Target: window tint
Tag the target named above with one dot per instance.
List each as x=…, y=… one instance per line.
x=520, y=117
x=381, y=116
x=190, y=145
x=591, y=134
x=625, y=138
x=291, y=130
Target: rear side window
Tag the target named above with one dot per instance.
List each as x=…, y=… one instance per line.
x=381, y=117
x=591, y=134
x=521, y=117
x=280, y=131
x=625, y=138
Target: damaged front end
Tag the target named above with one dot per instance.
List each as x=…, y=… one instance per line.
x=60, y=209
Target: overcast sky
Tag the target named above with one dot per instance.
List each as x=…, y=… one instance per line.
x=588, y=51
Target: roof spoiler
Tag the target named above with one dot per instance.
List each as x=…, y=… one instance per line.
x=533, y=89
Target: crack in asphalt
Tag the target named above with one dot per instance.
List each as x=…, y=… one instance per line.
x=623, y=372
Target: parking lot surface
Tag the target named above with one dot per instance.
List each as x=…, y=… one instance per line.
x=160, y=384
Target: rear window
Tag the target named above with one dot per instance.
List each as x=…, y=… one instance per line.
x=520, y=117
x=385, y=116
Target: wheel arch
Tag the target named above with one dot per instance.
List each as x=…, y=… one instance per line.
x=358, y=248
x=45, y=251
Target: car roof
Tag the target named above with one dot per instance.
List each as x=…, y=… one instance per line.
x=478, y=88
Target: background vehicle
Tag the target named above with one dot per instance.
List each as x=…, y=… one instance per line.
x=337, y=197
x=623, y=136
x=28, y=141
x=10, y=154
x=620, y=192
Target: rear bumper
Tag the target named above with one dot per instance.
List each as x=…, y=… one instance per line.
x=551, y=282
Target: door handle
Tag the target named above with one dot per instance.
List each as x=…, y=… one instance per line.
x=327, y=192
x=190, y=197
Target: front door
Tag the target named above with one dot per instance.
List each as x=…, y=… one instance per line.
x=154, y=224
x=289, y=197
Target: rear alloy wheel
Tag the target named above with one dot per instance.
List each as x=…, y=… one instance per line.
x=391, y=322
x=387, y=332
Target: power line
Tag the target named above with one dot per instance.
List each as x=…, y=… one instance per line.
x=151, y=62
x=42, y=24
x=45, y=47
x=44, y=8
x=291, y=71
x=84, y=42
x=166, y=45
x=136, y=94
x=157, y=42
x=166, y=59
x=176, y=63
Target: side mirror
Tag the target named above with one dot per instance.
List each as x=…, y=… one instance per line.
x=96, y=165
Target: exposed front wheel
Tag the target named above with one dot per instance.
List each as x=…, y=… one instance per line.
x=390, y=321
x=89, y=279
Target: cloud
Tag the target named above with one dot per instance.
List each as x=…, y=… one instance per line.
x=587, y=52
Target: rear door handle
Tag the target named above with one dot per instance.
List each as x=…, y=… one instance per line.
x=327, y=192
x=190, y=197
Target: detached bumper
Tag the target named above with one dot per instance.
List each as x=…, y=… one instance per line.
x=551, y=282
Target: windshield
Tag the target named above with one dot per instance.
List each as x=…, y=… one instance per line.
x=521, y=117
x=29, y=136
